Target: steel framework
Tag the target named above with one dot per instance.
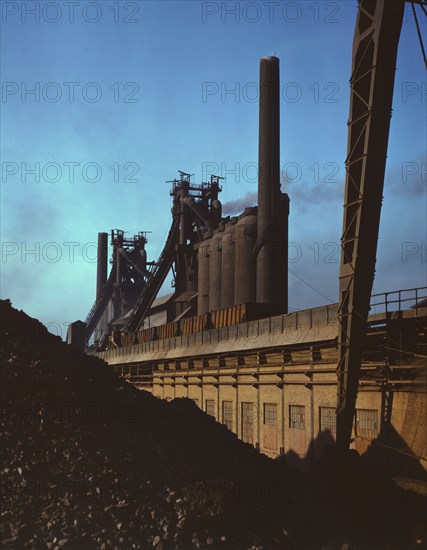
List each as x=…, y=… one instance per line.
x=375, y=46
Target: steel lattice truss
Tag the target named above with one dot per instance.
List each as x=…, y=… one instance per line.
x=375, y=46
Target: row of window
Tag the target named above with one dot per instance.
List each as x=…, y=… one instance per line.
x=366, y=421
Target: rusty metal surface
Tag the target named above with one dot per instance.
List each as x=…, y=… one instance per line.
x=374, y=62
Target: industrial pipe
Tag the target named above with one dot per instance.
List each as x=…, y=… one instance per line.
x=102, y=263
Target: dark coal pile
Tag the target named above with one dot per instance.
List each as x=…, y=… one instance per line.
x=89, y=462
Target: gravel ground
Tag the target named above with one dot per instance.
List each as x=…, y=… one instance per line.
x=89, y=462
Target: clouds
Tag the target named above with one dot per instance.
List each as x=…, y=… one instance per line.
x=315, y=226
x=237, y=206
x=170, y=127
x=305, y=195
x=409, y=178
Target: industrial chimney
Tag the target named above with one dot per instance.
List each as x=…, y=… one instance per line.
x=271, y=248
x=102, y=263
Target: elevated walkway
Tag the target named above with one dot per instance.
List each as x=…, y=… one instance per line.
x=301, y=327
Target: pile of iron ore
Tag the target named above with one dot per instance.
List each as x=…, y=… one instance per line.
x=90, y=462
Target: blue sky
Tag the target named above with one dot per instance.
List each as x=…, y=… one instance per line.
x=127, y=93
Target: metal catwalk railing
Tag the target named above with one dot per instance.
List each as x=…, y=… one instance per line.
x=397, y=300
x=294, y=325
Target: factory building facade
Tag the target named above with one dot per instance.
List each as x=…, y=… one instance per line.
x=273, y=381
x=225, y=338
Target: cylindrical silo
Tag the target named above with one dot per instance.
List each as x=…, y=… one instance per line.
x=102, y=263
x=215, y=254
x=203, y=277
x=245, y=264
x=227, y=264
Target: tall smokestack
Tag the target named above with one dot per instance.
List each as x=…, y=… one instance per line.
x=102, y=262
x=273, y=206
x=269, y=141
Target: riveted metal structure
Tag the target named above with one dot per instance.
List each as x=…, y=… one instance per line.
x=196, y=209
x=216, y=263
x=128, y=275
x=375, y=45
x=272, y=376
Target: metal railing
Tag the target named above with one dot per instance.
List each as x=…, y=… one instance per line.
x=396, y=299
x=296, y=326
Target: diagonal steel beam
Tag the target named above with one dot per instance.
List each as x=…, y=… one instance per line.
x=375, y=46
